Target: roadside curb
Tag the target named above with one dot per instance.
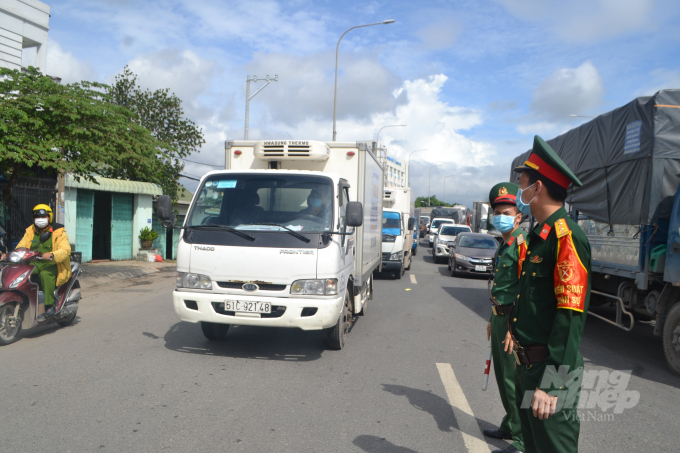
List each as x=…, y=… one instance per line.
x=93, y=275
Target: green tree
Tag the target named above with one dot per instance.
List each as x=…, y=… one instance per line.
x=68, y=128
x=161, y=113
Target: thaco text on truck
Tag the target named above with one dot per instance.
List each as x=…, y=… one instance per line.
x=629, y=207
x=287, y=236
x=398, y=224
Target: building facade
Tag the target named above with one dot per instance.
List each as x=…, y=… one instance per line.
x=23, y=33
x=396, y=173
x=103, y=220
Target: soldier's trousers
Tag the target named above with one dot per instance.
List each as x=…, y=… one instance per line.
x=559, y=433
x=504, y=370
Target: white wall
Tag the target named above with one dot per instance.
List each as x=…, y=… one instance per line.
x=70, y=206
x=142, y=217
x=23, y=24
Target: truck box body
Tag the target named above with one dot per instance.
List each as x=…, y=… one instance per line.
x=255, y=229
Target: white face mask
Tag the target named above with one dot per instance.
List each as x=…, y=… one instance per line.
x=41, y=223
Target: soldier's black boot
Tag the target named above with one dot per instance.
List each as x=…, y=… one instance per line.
x=497, y=434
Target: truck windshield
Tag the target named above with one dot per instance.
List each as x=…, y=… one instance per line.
x=436, y=223
x=256, y=201
x=391, y=223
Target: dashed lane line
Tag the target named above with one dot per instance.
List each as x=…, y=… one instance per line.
x=413, y=279
x=467, y=423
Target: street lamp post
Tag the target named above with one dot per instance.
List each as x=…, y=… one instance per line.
x=471, y=190
x=450, y=176
x=249, y=97
x=409, y=164
x=429, y=183
x=377, y=136
x=337, y=47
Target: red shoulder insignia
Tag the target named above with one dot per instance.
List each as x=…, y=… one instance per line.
x=522, y=255
x=571, y=276
x=511, y=240
x=545, y=232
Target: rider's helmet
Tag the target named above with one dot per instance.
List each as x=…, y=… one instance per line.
x=42, y=210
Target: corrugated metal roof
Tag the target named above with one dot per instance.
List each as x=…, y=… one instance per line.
x=114, y=185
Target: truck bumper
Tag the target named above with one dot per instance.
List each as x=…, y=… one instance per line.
x=286, y=312
x=391, y=266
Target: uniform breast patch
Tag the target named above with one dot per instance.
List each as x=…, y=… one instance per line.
x=535, y=259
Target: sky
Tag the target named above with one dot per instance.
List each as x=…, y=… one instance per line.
x=473, y=81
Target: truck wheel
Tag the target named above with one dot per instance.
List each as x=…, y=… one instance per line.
x=338, y=334
x=9, y=325
x=214, y=331
x=400, y=272
x=415, y=251
x=410, y=261
x=671, y=339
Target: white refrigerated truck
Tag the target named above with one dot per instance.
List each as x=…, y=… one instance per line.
x=287, y=236
x=397, y=233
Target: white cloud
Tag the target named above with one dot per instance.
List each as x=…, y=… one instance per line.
x=185, y=73
x=588, y=20
x=567, y=91
x=64, y=65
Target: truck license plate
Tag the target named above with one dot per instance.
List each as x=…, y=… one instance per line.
x=247, y=306
x=480, y=268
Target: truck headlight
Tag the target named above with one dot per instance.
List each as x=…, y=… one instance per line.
x=323, y=287
x=397, y=256
x=189, y=280
x=462, y=257
x=441, y=241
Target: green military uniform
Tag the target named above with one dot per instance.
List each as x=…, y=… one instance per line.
x=551, y=309
x=45, y=270
x=508, y=264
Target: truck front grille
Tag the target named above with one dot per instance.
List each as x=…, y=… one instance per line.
x=239, y=285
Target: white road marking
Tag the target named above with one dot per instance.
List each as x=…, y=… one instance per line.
x=472, y=435
x=413, y=279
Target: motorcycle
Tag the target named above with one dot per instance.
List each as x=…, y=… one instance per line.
x=22, y=304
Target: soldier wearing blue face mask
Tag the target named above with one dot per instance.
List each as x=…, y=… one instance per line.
x=508, y=267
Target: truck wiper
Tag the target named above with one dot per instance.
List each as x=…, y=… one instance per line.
x=293, y=232
x=228, y=228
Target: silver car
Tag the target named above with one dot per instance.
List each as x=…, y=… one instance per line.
x=434, y=228
x=444, y=239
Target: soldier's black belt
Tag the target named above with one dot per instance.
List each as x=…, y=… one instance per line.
x=531, y=354
x=501, y=310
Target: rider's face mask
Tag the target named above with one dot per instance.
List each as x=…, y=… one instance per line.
x=41, y=222
x=315, y=202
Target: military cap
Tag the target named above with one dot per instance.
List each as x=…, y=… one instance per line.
x=547, y=163
x=503, y=192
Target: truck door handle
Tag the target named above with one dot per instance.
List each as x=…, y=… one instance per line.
x=675, y=247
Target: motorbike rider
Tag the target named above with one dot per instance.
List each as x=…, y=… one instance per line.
x=51, y=241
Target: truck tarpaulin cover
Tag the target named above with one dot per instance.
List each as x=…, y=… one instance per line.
x=628, y=159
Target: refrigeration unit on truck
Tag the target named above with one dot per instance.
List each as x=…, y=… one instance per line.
x=629, y=207
x=398, y=225
x=287, y=236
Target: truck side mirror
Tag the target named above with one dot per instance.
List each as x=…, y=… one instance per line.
x=411, y=223
x=164, y=210
x=354, y=214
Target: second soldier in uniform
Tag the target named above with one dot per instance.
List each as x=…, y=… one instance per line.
x=508, y=266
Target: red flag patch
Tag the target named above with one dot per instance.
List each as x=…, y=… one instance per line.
x=545, y=231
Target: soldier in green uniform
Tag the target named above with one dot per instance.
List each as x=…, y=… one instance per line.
x=551, y=307
x=508, y=266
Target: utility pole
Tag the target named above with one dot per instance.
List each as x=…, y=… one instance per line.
x=249, y=97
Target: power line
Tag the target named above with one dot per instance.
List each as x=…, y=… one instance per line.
x=189, y=177
x=201, y=163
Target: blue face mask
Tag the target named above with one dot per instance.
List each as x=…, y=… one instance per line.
x=503, y=223
x=315, y=202
x=521, y=205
